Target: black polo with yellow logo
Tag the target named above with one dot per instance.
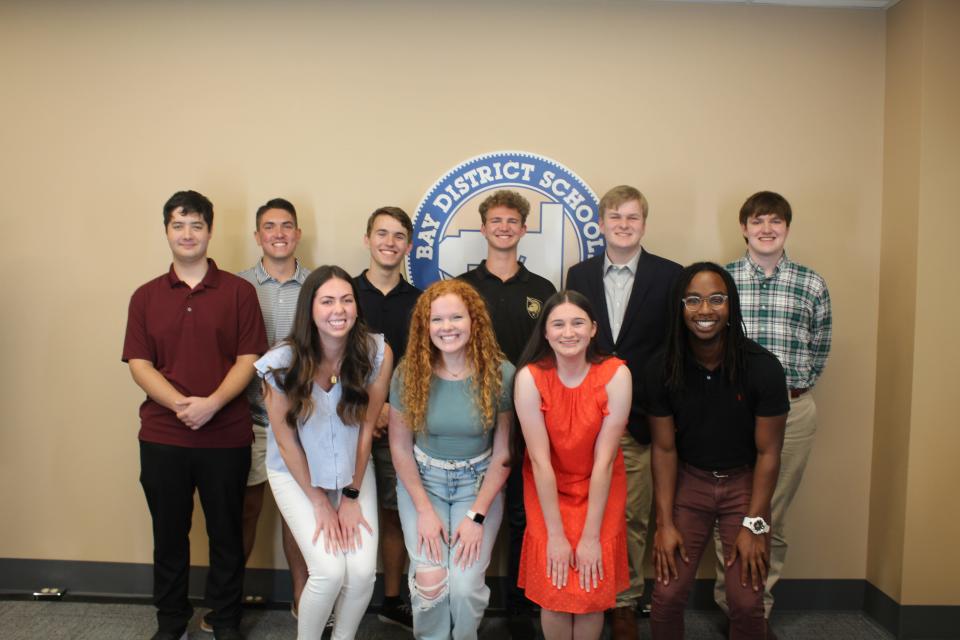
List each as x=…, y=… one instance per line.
x=514, y=304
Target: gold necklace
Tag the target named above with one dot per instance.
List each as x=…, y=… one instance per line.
x=455, y=375
x=335, y=376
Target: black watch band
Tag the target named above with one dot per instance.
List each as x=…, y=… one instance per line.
x=350, y=492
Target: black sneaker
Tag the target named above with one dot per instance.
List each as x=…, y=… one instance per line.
x=170, y=635
x=398, y=614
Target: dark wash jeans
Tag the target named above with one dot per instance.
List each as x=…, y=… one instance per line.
x=702, y=499
x=169, y=475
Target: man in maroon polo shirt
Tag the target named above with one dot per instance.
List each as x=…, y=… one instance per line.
x=193, y=335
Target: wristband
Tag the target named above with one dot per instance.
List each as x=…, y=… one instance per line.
x=350, y=492
x=476, y=517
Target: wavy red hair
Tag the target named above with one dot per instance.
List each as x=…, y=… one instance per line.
x=483, y=355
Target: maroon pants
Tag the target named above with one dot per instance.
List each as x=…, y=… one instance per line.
x=702, y=499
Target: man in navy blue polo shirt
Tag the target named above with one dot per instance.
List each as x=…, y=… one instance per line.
x=192, y=337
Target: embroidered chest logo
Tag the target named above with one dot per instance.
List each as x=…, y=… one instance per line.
x=533, y=307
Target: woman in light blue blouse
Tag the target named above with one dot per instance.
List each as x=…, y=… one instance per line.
x=323, y=389
x=450, y=413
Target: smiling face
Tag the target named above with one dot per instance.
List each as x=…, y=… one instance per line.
x=277, y=234
x=569, y=330
x=623, y=228
x=706, y=322
x=449, y=324
x=765, y=235
x=188, y=236
x=503, y=228
x=334, y=308
x=387, y=241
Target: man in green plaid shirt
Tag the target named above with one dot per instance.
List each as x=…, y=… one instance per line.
x=786, y=308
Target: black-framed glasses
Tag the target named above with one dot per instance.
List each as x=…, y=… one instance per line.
x=715, y=300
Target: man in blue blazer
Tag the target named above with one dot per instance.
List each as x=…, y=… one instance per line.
x=629, y=289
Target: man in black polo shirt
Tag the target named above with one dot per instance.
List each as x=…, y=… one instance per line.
x=514, y=297
x=386, y=300
x=718, y=405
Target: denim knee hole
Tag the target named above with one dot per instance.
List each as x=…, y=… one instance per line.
x=426, y=596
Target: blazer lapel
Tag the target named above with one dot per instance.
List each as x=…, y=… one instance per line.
x=641, y=285
x=600, y=296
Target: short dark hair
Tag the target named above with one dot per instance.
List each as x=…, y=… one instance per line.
x=765, y=202
x=189, y=202
x=277, y=203
x=508, y=199
x=397, y=214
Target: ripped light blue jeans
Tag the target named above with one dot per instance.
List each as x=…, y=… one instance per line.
x=458, y=609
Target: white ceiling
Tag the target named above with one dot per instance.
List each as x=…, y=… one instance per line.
x=829, y=4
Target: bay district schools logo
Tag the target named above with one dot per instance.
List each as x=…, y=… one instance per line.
x=562, y=228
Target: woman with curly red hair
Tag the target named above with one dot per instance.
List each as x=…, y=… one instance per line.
x=450, y=416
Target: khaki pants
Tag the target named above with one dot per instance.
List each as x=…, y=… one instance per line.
x=797, y=443
x=636, y=460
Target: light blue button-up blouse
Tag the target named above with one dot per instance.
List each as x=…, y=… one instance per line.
x=330, y=445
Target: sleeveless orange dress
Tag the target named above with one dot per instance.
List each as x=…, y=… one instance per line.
x=573, y=418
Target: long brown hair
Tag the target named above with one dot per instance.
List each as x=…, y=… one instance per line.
x=297, y=379
x=483, y=355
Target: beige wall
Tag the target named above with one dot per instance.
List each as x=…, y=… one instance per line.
x=913, y=509
x=110, y=107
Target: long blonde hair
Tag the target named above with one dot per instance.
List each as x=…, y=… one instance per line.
x=483, y=356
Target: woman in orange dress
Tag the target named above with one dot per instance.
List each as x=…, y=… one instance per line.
x=573, y=405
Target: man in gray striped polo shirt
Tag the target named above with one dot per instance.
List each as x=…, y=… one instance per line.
x=277, y=277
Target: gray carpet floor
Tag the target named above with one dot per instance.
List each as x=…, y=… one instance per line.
x=23, y=620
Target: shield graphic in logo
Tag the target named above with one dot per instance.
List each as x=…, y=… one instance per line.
x=533, y=307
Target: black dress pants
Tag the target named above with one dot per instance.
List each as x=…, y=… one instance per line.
x=169, y=475
x=516, y=517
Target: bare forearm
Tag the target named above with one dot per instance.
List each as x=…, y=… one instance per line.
x=364, y=445
x=409, y=474
x=493, y=482
x=546, y=483
x=236, y=380
x=154, y=384
x=597, y=497
x=764, y=482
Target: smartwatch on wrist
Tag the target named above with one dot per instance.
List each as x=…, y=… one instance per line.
x=476, y=517
x=350, y=492
x=756, y=526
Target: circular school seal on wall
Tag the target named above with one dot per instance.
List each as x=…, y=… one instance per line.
x=562, y=228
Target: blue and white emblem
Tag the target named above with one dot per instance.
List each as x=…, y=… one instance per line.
x=562, y=229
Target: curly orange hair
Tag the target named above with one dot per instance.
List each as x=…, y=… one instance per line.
x=483, y=355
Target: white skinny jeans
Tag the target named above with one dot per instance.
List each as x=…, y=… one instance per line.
x=343, y=581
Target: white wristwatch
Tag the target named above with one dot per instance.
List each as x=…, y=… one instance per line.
x=756, y=525
x=476, y=517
